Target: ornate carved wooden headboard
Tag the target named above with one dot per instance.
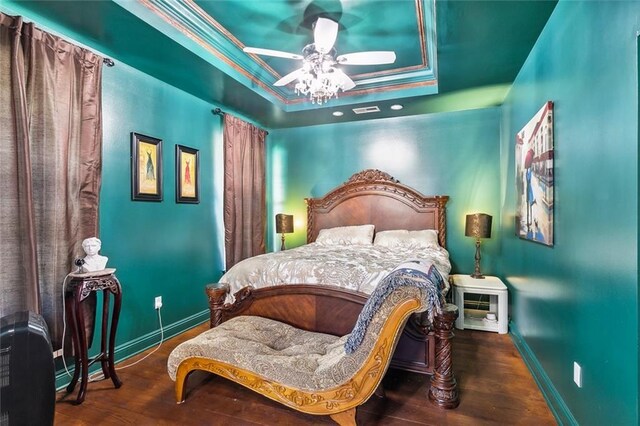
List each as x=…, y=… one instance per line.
x=375, y=197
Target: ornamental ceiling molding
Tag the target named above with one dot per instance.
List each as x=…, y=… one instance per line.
x=193, y=22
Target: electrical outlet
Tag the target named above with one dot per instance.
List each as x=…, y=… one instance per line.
x=57, y=353
x=158, y=302
x=577, y=374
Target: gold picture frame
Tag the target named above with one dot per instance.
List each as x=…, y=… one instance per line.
x=146, y=168
x=187, y=175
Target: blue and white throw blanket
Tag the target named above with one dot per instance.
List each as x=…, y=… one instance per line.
x=414, y=273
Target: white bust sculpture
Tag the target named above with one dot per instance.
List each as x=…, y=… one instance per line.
x=93, y=261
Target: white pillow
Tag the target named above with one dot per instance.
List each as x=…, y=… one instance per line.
x=346, y=235
x=403, y=238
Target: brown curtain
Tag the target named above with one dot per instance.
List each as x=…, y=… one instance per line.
x=244, y=190
x=50, y=168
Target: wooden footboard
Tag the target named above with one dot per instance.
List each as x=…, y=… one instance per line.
x=325, y=309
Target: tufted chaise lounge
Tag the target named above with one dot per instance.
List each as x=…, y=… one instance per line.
x=312, y=372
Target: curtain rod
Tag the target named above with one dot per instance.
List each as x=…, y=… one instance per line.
x=221, y=113
x=108, y=62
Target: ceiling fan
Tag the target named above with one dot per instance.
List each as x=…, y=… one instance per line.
x=319, y=77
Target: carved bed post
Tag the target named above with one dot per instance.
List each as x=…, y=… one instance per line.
x=217, y=293
x=444, y=389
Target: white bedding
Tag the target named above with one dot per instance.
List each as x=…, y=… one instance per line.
x=354, y=267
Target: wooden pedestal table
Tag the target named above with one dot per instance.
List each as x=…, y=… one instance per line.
x=77, y=290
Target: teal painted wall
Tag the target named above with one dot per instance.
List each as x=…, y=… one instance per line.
x=455, y=154
x=158, y=248
x=578, y=301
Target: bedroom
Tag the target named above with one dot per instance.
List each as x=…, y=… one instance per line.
x=577, y=301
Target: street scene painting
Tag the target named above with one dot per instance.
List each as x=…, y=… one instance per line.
x=534, y=178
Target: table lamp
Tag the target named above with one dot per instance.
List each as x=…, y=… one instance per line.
x=478, y=225
x=284, y=225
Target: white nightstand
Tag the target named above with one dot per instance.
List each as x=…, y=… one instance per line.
x=477, y=319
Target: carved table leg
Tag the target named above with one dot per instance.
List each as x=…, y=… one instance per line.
x=70, y=312
x=103, y=337
x=217, y=293
x=117, y=306
x=82, y=349
x=444, y=389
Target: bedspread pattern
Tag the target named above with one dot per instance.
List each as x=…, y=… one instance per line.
x=355, y=267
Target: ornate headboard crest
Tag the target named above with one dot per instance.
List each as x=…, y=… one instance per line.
x=373, y=182
x=371, y=175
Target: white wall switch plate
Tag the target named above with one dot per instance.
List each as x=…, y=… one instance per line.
x=577, y=374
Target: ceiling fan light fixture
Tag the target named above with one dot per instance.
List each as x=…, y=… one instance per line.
x=338, y=113
x=396, y=107
x=318, y=78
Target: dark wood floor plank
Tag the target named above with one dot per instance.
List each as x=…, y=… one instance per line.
x=495, y=389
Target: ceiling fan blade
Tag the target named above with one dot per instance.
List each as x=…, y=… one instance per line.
x=347, y=83
x=378, y=57
x=288, y=78
x=269, y=52
x=325, y=34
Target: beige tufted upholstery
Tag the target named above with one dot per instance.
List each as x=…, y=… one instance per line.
x=281, y=353
x=270, y=348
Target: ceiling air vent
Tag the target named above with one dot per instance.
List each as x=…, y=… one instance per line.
x=366, y=110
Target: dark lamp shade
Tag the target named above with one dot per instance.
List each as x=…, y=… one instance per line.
x=284, y=223
x=478, y=225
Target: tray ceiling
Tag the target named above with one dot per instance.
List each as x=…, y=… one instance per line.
x=219, y=30
x=451, y=55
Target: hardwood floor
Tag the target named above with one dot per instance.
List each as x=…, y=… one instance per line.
x=495, y=388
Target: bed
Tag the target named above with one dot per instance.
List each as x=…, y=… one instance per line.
x=322, y=301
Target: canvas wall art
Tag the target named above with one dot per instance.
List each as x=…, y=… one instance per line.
x=534, y=178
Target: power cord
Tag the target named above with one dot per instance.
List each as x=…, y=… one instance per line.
x=64, y=319
x=97, y=376
x=153, y=351
x=93, y=377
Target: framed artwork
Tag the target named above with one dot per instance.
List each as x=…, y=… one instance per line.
x=534, y=178
x=146, y=168
x=187, y=175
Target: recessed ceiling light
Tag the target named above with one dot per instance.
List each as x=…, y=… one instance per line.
x=338, y=113
x=396, y=107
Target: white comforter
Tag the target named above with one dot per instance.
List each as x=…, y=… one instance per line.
x=354, y=267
